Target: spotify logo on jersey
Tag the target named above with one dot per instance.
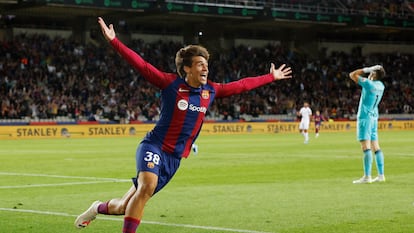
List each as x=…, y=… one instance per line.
x=182, y=105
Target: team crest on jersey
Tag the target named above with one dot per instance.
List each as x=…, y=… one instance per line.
x=150, y=165
x=205, y=94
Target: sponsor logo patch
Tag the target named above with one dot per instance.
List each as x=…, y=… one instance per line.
x=150, y=165
x=197, y=108
x=182, y=105
x=183, y=90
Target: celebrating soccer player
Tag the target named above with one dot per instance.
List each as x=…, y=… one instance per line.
x=185, y=99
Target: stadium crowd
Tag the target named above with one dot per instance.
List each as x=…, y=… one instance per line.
x=45, y=78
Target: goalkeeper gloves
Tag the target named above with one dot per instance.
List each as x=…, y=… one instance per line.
x=371, y=68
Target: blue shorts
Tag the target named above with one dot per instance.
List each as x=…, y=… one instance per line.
x=151, y=158
x=367, y=129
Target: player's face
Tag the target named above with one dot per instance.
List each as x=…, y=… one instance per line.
x=198, y=72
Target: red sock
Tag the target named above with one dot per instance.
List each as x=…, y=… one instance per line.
x=103, y=208
x=130, y=225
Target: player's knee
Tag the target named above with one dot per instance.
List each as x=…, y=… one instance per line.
x=376, y=148
x=148, y=189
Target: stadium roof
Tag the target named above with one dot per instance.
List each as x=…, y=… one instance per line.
x=46, y=14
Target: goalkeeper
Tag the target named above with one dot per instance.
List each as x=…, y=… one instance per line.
x=367, y=120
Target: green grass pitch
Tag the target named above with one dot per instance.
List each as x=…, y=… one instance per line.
x=237, y=183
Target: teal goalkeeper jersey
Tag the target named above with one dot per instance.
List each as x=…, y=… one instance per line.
x=371, y=95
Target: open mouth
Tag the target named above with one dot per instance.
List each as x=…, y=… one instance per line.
x=203, y=77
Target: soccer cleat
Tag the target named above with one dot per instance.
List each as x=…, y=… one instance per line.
x=86, y=217
x=306, y=142
x=380, y=178
x=363, y=180
x=317, y=135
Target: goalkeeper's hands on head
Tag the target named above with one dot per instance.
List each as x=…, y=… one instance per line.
x=371, y=68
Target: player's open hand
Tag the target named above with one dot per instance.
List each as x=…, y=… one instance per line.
x=108, y=32
x=282, y=72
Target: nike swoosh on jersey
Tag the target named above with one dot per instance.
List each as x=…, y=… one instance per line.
x=183, y=90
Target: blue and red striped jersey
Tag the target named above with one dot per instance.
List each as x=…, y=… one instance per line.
x=183, y=107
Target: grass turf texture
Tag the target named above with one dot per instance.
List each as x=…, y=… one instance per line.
x=237, y=183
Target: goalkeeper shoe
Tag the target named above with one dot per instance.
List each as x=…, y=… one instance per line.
x=86, y=217
x=363, y=180
x=380, y=178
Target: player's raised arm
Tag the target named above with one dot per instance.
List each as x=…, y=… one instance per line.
x=282, y=72
x=147, y=70
x=358, y=72
x=355, y=74
x=108, y=32
x=250, y=83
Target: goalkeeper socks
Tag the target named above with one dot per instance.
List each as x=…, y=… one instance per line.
x=103, y=208
x=130, y=225
x=367, y=161
x=379, y=158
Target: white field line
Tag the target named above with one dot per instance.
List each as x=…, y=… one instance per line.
x=52, y=185
x=94, y=180
x=59, y=176
x=220, y=229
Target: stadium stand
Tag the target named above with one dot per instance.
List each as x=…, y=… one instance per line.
x=52, y=78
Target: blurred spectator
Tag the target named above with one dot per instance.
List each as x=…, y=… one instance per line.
x=43, y=78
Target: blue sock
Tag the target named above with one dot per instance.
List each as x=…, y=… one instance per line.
x=379, y=158
x=367, y=162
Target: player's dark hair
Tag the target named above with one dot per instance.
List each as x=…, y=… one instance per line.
x=184, y=57
x=379, y=74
